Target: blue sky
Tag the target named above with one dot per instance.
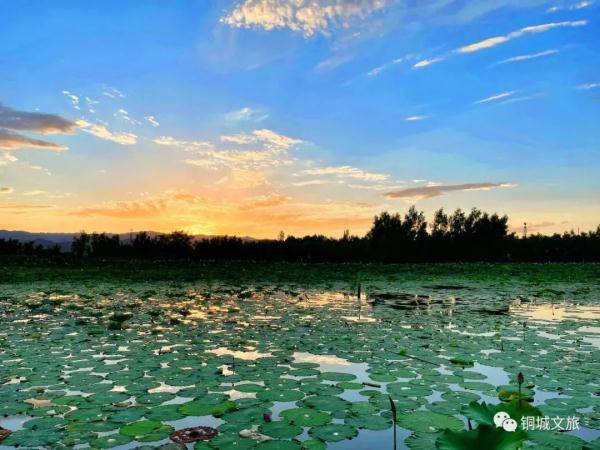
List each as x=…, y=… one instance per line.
x=309, y=116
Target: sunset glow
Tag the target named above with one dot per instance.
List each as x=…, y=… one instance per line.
x=245, y=118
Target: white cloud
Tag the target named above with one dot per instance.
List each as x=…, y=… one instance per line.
x=415, y=118
x=346, y=171
x=588, y=86
x=170, y=141
x=519, y=99
x=497, y=40
x=90, y=104
x=528, y=56
x=575, y=7
x=124, y=115
x=427, y=62
x=100, y=131
x=152, y=121
x=494, y=97
x=310, y=183
x=111, y=92
x=272, y=140
x=35, y=192
x=6, y=158
x=303, y=16
x=377, y=70
x=246, y=114
x=74, y=99
x=333, y=62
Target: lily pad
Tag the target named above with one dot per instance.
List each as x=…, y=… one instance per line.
x=334, y=432
x=428, y=422
x=305, y=417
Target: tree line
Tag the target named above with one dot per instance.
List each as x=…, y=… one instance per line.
x=455, y=237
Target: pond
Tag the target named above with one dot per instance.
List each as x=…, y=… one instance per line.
x=292, y=365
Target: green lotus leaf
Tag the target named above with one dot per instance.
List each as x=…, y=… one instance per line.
x=326, y=402
x=483, y=437
x=428, y=422
x=228, y=442
x=249, y=387
x=334, y=432
x=337, y=376
x=28, y=438
x=313, y=444
x=382, y=377
x=127, y=415
x=305, y=417
x=280, y=430
x=370, y=422
x=224, y=407
x=164, y=413
x=279, y=445
x=276, y=395
x=110, y=441
x=421, y=441
x=158, y=434
x=558, y=441
x=140, y=428
x=252, y=415
x=348, y=385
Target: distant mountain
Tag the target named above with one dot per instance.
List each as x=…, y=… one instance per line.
x=64, y=240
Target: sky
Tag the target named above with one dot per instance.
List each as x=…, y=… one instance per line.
x=249, y=117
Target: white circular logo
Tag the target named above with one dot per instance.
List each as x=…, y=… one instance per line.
x=502, y=419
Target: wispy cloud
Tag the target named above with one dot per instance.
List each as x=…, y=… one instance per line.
x=246, y=114
x=494, y=97
x=333, y=62
x=13, y=141
x=6, y=158
x=424, y=192
x=497, y=40
x=124, y=115
x=270, y=138
x=35, y=192
x=588, y=86
x=415, y=118
x=170, y=141
x=74, y=99
x=427, y=62
x=377, y=70
x=310, y=183
x=346, y=171
x=152, y=121
x=6, y=190
x=574, y=7
x=528, y=56
x=102, y=132
x=34, y=121
x=113, y=93
x=308, y=17
x=523, y=98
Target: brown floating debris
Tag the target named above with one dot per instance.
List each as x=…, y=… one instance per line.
x=4, y=433
x=189, y=435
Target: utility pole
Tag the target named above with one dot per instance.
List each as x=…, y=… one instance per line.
x=524, y=230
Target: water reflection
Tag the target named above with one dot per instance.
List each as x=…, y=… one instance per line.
x=556, y=312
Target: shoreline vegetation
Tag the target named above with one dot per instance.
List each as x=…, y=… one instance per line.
x=458, y=237
x=24, y=269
